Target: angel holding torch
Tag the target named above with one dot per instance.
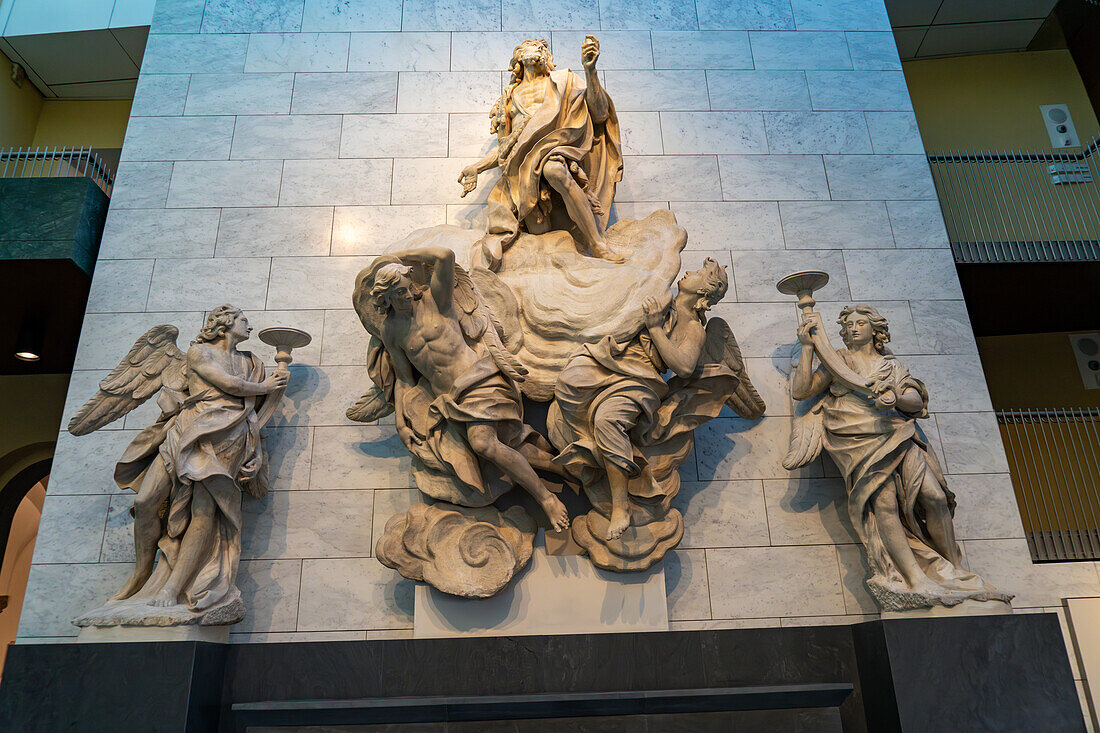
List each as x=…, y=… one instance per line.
x=189, y=468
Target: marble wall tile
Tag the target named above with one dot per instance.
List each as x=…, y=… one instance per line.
x=105, y=338
x=239, y=94
x=141, y=185
x=764, y=330
x=657, y=90
x=290, y=524
x=270, y=592
x=387, y=136
x=686, y=585
x=864, y=15
x=56, y=594
x=847, y=620
x=120, y=286
x=817, y=132
x=368, y=230
x=314, y=282
x=353, y=593
x=158, y=233
x=363, y=457
x=758, y=90
x=800, y=50
x=335, y=182
x=701, y=49
x=387, y=503
x=489, y=51
x=971, y=443
x=722, y=514
x=86, y=464
x=289, y=455
x=859, y=90
x=635, y=210
x=566, y=14
x=894, y=132
x=640, y=133
x=732, y=449
x=322, y=396
x=340, y=15
x=670, y=177
x=159, y=95
x=955, y=383
x=618, y=50
x=943, y=327
x=731, y=225
x=194, y=53
x=447, y=15
x=297, y=52
x=345, y=340
x=254, y=16
x=241, y=281
x=756, y=276
x=769, y=376
x=400, y=52
x=279, y=137
x=878, y=177
x=773, y=177
x=700, y=133
x=854, y=572
x=351, y=93
x=182, y=16
x=736, y=623
x=429, y=181
x=918, y=224
x=178, y=138
x=274, y=232
x=925, y=274
x=836, y=224
x=1006, y=564
x=774, y=581
x=71, y=529
x=118, y=535
x=987, y=507
x=873, y=50
x=758, y=15
x=433, y=91
x=468, y=134
x=808, y=511
x=224, y=183
x=82, y=385
x=673, y=15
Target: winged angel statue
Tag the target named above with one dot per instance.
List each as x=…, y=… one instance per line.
x=189, y=468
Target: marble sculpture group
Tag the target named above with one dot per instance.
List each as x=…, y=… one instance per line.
x=550, y=305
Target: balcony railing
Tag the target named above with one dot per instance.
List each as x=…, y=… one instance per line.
x=56, y=163
x=1020, y=206
x=1054, y=458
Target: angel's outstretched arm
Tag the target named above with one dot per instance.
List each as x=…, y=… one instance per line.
x=200, y=361
x=805, y=382
x=442, y=261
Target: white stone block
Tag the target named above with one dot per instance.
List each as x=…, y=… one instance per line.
x=322, y=396
x=732, y=449
x=656, y=15
x=400, y=52
x=239, y=94
x=894, y=132
x=292, y=524
x=457, y=91
x=253, y=16
x=159, y=95
x=158, y=233
x=178, y=138
x=351, y=93
x=297, y=52
x=345, y=340
x=449, y=15
x=686, y=585
x=877, y=177
x=274, y=232
x=193, y=53
x=701, y=50
x=641, y=133
x=722, y=514
x=756, y=276
x=954, y=383
x=635, y=210
x=269, y=589
x=943, y=327
x=362, y=457
x=800, y=50
x=313, y=282
x=836, y=225
x=971, y=443
x=388, y=136
x=845, y=15
x=141, y=185
x=566, y=14
x=657, y=90
x=339, y=15
x=106, y=337
x=762, y=329
x=700, y=133
x=873, y=50
x=854, y=572
x=910, y=274
x=225, y=183
x=289, y=454
x=757, y=15
x=808, y=511
x=280, y=137
x=182, y=16
x=468, y=135
x=368, y=230
x=987, y=507
x=56, y=594
x=750, y=582
x=71, y=529
x=435, y=181
x=241, y=281
x=489, y=51
x=1006, y=564
x=82, y=385
x=335, y=182
x=353, y=593
x=773, y=177
x=671, y=178
x=86, y=464
x=918, y=224
x=730, y=225
x=758, y=90
x=120, y=286
x=817, y=132
x=859, y=90
x=618, y=50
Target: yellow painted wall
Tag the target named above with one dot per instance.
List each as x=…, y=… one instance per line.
x=1033, y=370
x=991, y=101
x=19, y=108
x=95, y=124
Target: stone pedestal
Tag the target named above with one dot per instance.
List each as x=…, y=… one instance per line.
x=190, y=632
x=966, y=608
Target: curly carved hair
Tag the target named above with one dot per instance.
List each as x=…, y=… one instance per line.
x=879, y=325
x=500, y=109
x=218, y=322
x=387, y=277
x=715, y=285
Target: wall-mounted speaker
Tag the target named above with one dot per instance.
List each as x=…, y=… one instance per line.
x=1086, y=349
x=1060, y=126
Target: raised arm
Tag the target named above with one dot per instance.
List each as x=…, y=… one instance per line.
x=442, y=261
x=599, y=106
x=202, y=363
x=805, y=382
x=681, y=358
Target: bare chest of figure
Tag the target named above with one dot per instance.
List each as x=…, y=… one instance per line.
x=232, y=362
x=528, y=96
x=435, y=346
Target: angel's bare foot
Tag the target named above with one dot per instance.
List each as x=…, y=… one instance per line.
x=555, y=512
x=165, y=597
x=133, y=584
x=620, y=520
x=928, y=587
x=601, y=250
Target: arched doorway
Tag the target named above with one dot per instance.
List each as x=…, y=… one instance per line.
x=21, y=500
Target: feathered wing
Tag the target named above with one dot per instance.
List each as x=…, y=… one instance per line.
x=153, y=362
x=807, y=432
x=720, y=346
x=481, y=325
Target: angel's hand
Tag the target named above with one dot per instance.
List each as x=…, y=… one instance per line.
x=468, y=179
x=805, y=332
x=654, y=314
x=408, y=437
x=886, y=400
x=590, y=51
x=880, y=386
x=276, y=380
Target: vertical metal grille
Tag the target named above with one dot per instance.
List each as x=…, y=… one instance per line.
x=56, y=163
x=1054, y=458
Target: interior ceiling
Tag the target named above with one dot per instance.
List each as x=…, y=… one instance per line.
x=57, y=290
x=932, y=28
x=92, y=64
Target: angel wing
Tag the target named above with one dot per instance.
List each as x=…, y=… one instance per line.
x=720, y=346
x=806, y=435
x=480, y=324
x=153, y=362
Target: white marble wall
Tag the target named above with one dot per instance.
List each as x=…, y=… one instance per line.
x=276, y=145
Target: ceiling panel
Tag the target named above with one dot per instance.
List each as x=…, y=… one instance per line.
x=132, y=41
x=123, y=89
x=60, y=58
x=908, y=40
x=912, y=12
x=974, y=11
x=969, y=38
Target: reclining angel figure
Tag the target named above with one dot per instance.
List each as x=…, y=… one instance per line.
x=189, y=468
x=623, y=431
x=438, y=363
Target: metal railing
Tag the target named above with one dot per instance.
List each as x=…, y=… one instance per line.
x=1053, y=459
x=56, y=163
x=1020, y=206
